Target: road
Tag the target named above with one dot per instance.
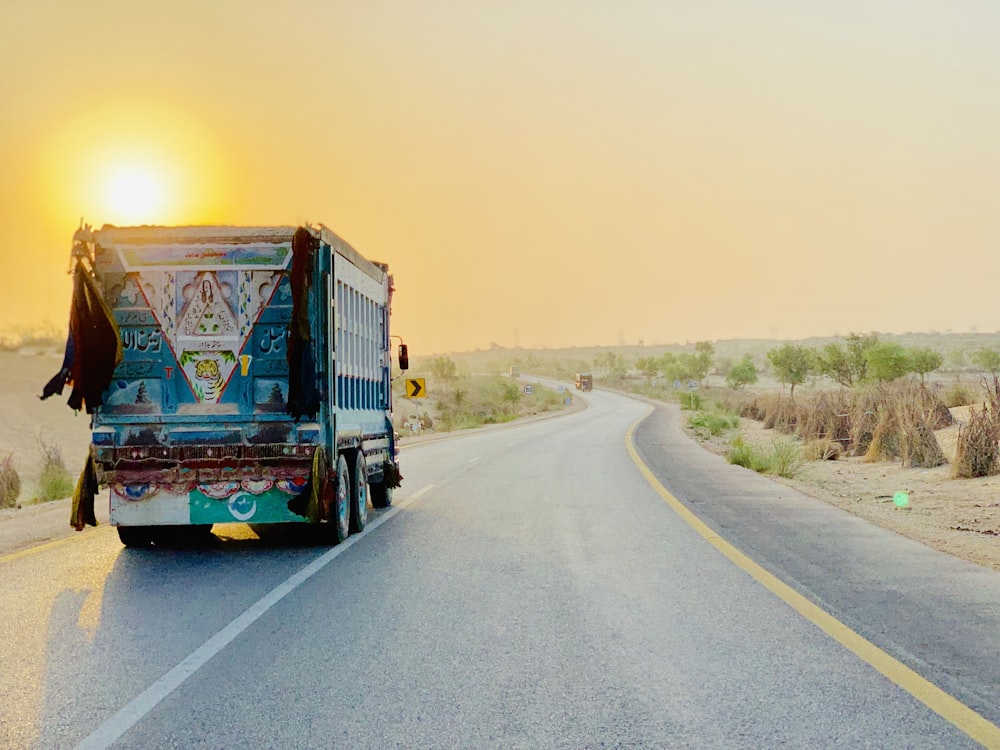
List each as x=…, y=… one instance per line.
x=529, y=589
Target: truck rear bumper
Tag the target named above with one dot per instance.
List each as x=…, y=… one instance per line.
x=259, y=501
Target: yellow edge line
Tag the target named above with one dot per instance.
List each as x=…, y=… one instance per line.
x=943, y=704
x=47, y=545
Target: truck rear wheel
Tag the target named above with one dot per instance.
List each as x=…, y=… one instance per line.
x=337, y=506
x=359, y=492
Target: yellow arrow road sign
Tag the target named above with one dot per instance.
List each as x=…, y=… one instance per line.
x=415, y=388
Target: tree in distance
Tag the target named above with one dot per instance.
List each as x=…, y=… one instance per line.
x=888, y=361
x=648, y=366
x=792, y=364
x=987, y=360
x=847, y=364
x=743, y=373
x=924, y=360
x=704, y=354
x=443, y=369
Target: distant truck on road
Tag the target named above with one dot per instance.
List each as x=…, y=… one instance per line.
x=252, y=381
x=584, y=381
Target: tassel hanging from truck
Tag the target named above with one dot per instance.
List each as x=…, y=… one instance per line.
x=303, y=396
x=93, y=346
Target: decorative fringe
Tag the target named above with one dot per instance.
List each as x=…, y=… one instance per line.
x=82, y=513
x=303, y=395
x=390, y=472
x=307, y=503
x=93, y=346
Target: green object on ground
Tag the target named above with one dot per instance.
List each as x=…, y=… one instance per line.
x=901, y=499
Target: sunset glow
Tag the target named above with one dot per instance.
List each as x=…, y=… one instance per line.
x=134, y=195
x=133, y=162
x=664, y=172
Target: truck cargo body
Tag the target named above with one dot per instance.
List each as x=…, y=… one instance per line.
x=209, y=417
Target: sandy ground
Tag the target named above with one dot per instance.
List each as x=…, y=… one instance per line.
x=26, y=422
x=957, y=516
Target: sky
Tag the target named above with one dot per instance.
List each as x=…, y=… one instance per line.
x=537, y=173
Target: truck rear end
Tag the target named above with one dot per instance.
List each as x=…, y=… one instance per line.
x=254, y=384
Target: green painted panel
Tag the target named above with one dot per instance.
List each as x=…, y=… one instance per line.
x=268, y=507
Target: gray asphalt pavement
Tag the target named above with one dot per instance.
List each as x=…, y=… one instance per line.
x=935, y=613
x=529, y=589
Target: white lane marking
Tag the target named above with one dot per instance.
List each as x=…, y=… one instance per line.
x=416, y=495
x=474, y=459
x=112, y=730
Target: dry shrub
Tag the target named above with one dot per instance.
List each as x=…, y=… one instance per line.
x=826, y=416
x=10, y=482
x=816, y=412
x=886, y=440
x=781, y=414
x=936, y=413
x=55, y=482
x=769, y=404
x=942, y=416
x=750, y=408
x=919, y=413
x=864, y=420
x=889, y=422
x=959, y=394
x=920, y=445
x=822, y=449
x=977, y=449
x=978, y=446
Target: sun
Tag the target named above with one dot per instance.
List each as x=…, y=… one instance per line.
x=135, y=161
x=134, y=194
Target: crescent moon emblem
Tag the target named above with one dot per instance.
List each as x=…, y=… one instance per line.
x=237, y=500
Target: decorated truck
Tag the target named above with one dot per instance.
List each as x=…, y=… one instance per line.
x=232, y=374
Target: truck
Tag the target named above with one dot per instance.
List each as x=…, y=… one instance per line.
x=584, y=381
x=251, y=382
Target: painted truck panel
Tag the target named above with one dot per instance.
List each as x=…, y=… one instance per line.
x=195, y=426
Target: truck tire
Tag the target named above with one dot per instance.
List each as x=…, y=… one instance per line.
x=380, y=494
x=136, y=536
x=359, y=491
x=337, y=524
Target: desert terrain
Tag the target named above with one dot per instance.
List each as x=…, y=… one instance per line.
x=26, y=422
x=957, y=516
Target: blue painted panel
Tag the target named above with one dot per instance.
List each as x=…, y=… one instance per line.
x=270, y=394
x=269, y=341
x=211, y=435
x=276, y=315
x=269, y=367
x=142, y=396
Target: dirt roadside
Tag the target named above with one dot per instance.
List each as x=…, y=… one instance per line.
x=957, y=516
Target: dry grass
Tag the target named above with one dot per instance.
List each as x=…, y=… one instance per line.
x=10, y=482
x=885, y=423
x=978, y=447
